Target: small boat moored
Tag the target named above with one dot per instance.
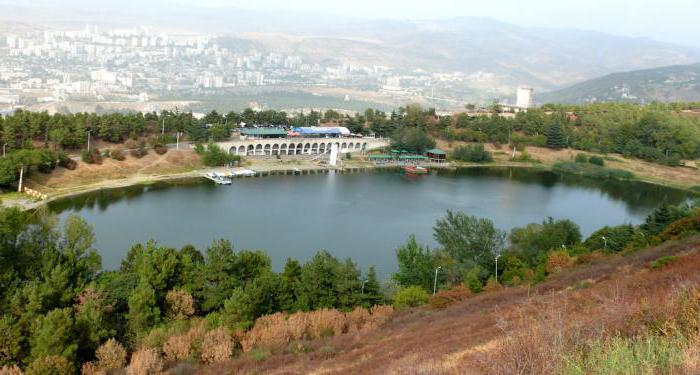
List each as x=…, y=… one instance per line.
x=413, y=169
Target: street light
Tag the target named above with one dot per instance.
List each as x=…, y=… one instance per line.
x=89, y=133
x=497, y=266
x=363, y=285
x=605, y=243
x=435, y=281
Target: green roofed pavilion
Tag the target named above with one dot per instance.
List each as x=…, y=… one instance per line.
x=265, y=132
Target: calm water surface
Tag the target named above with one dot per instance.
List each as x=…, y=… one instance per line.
x=363, y=216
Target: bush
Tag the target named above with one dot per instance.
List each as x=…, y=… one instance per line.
x=177, y=348
x=139, y=151
x=10, y=370
x=492, y=285
x=472, y=153
x=117, y=154
x=145, y=362
x=662, y=262
x=180, y=304
x=558, y=260
x=53, y=365
x=217, y=346
x=680, y=228
x=160, y=149
x=596, y=160
x=66, y=162
x=445, y=298
x=411, y=296
x=111, y=355
x=91, y=157
x=581, y=158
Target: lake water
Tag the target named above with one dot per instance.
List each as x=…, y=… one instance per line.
x=363, y=216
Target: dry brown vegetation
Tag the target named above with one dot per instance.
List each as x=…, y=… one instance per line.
x=526, y=329
x=64, y=180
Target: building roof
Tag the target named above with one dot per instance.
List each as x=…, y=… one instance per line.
x=264, y=131
x=436, y=151
x=413, y=157
x=380, y=156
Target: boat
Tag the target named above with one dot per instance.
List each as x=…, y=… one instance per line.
x=413, y=169
x=244, y=173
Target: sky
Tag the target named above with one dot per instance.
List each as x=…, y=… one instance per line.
x=666, y=20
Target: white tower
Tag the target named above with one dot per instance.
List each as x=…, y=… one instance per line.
x=524, y=98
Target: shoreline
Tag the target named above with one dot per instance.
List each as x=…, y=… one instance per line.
x=26, y=203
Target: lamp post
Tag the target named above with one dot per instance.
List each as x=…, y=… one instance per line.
x=605, y=243
x=89, y=133
x=497, y=266
x=363, y=285
x=435, y=281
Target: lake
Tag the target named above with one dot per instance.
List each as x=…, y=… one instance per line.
x=362, y=215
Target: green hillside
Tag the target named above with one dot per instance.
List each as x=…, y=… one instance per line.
x=665, y=84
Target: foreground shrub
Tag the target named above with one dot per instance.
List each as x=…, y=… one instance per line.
x=145, y=362
x=646, y=355
x=177, y=348
x=111, y=355
x=53, y=365
x=90, y=368
x=411, y=296
x=325, y=323
x=662, y=262
x=680, y=228
x=278, y=330
x=492, y=285
x=217, y=346
x=445, y=298
x=581, y=158
x=10, y=370
x=558, y=260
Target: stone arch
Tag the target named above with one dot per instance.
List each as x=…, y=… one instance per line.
x=259, y=149
x=251, y=150
x=275, y=149
x=283, y=149
x=322, y=148
x=358, y=146
x=267, y=149
x=307, y=148
x=241, y=150
x=343, y=146
x=350, y=146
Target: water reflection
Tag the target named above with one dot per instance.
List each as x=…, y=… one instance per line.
x=363, y=216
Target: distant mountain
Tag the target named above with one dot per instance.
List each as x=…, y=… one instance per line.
x=493, y=52
x=666, y=84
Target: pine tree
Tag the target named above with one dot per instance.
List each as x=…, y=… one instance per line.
x=372, y=291
x=555, y=136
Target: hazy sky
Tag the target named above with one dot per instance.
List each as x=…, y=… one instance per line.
x=667, y=20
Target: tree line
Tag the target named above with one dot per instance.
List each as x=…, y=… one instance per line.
x=474, y=253
x=56, y=300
